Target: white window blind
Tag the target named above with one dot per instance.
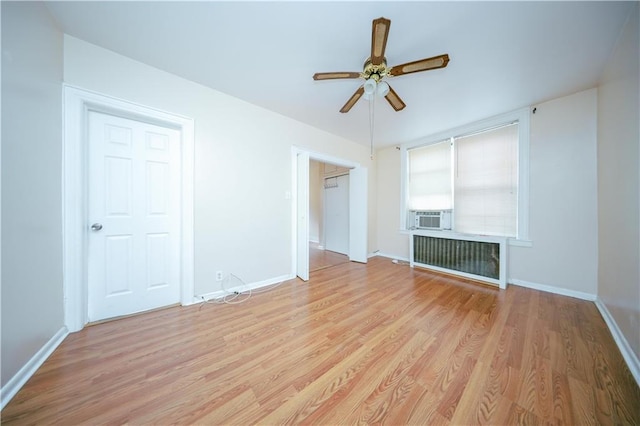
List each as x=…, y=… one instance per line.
x=430, y=177
x=486, y=182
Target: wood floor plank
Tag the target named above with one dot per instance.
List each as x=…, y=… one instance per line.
x=338, y=383
x=520, y=416
x=390, y=388
x=583, y=405
x=481, y=401
x=384, y=361
x=562, y=405
x=379, y=343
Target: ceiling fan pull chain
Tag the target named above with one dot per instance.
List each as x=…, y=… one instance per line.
x=372, y=105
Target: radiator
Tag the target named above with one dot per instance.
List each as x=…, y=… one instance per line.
x=481, y=258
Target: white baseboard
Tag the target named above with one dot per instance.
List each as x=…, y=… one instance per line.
x=242, y=288
x=389, y=256
x=551, y=289
x=627, y=353
x=11, y=388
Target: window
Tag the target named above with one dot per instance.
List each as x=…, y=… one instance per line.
x=430, y=177
x=486, y=182
x=480, y=172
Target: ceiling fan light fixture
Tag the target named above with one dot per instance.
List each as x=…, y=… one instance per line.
x=375, y=70
x=382, y=89
x=370, y=87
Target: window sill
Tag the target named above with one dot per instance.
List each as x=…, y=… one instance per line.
x=515, y=242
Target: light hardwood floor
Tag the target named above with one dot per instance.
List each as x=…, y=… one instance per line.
x=376, y=343
x=320, y=259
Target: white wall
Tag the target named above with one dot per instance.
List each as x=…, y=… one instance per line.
x=32, y=304
x=243, y=162
x=563, y=199
x=619, y=184
x=391, y=242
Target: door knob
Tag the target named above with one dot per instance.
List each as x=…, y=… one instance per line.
x=96, y=227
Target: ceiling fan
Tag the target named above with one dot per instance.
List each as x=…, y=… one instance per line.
x=376, y=69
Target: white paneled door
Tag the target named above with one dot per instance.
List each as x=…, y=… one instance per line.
x=133, y=216
x=336, y=214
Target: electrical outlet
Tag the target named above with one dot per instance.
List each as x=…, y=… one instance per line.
x=219, y=276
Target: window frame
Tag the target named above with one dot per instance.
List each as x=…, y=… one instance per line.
x=522, y=116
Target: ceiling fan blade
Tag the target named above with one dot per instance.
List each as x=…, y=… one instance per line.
x=394, y=100
x=352, y=100
x=440, y=61
x=379, y=34
x=335, y=75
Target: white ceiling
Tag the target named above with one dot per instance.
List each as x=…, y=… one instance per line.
x=504, y=55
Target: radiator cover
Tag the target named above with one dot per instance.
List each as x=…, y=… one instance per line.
x=472, y=256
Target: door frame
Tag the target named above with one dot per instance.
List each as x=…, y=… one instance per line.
x=355, y=248
x=77, y=104
x=302, y=217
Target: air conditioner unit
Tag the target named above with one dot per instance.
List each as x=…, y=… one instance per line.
x=430, y=219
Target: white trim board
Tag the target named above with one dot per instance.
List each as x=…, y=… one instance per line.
x=77, y=104
x=242, y=288
x=389, y=256
x=551, y=289
x=627, y=353
x=11, y=388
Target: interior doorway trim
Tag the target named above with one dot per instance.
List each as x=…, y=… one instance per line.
x=77, y=104
x=322, y=158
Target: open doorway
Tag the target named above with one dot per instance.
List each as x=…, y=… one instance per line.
x=357, y=209
x=328, y=215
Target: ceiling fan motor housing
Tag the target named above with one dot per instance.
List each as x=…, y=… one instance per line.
x=376, y=72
